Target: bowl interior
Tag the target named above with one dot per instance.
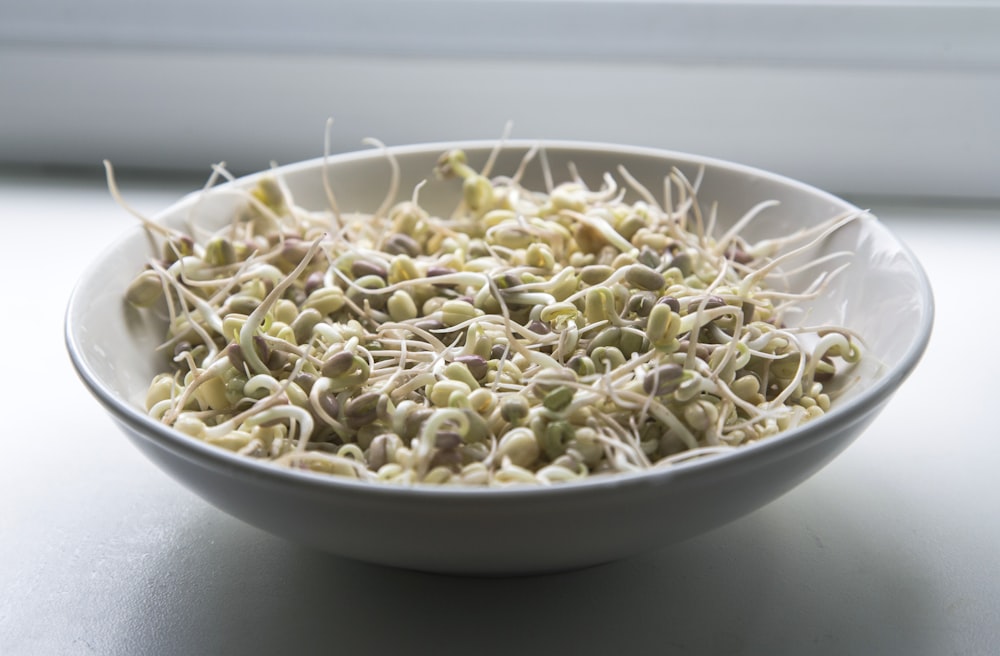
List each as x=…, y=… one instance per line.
x=118, y=344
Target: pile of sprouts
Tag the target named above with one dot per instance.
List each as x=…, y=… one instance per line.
x=532, y=336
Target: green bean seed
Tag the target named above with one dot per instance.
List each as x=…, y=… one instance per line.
x=327, y=300
x=145, y=290
x=643, y=277
x=558, y=399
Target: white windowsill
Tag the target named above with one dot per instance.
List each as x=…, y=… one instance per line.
x=891, y=549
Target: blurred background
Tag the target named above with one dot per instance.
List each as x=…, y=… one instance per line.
x=898, y=98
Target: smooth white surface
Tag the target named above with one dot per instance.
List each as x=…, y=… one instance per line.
x=891, y=549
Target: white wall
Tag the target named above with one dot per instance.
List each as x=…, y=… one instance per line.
x=893, y=98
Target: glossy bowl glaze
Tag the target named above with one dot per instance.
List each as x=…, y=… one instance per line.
x=884, y=295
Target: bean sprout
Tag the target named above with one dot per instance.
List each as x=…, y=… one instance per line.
x=530, y=337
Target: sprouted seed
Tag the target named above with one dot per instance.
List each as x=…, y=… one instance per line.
x=533, y=336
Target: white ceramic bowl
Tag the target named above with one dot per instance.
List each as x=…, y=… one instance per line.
x=884, y=296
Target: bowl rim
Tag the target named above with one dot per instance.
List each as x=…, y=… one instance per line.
x=782, y=444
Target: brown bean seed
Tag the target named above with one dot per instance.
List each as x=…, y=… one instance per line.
x=402, y=244
x=361, y=410
x=362, y=268
x=663, y=380
x=477, y=365
x=338, y=364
